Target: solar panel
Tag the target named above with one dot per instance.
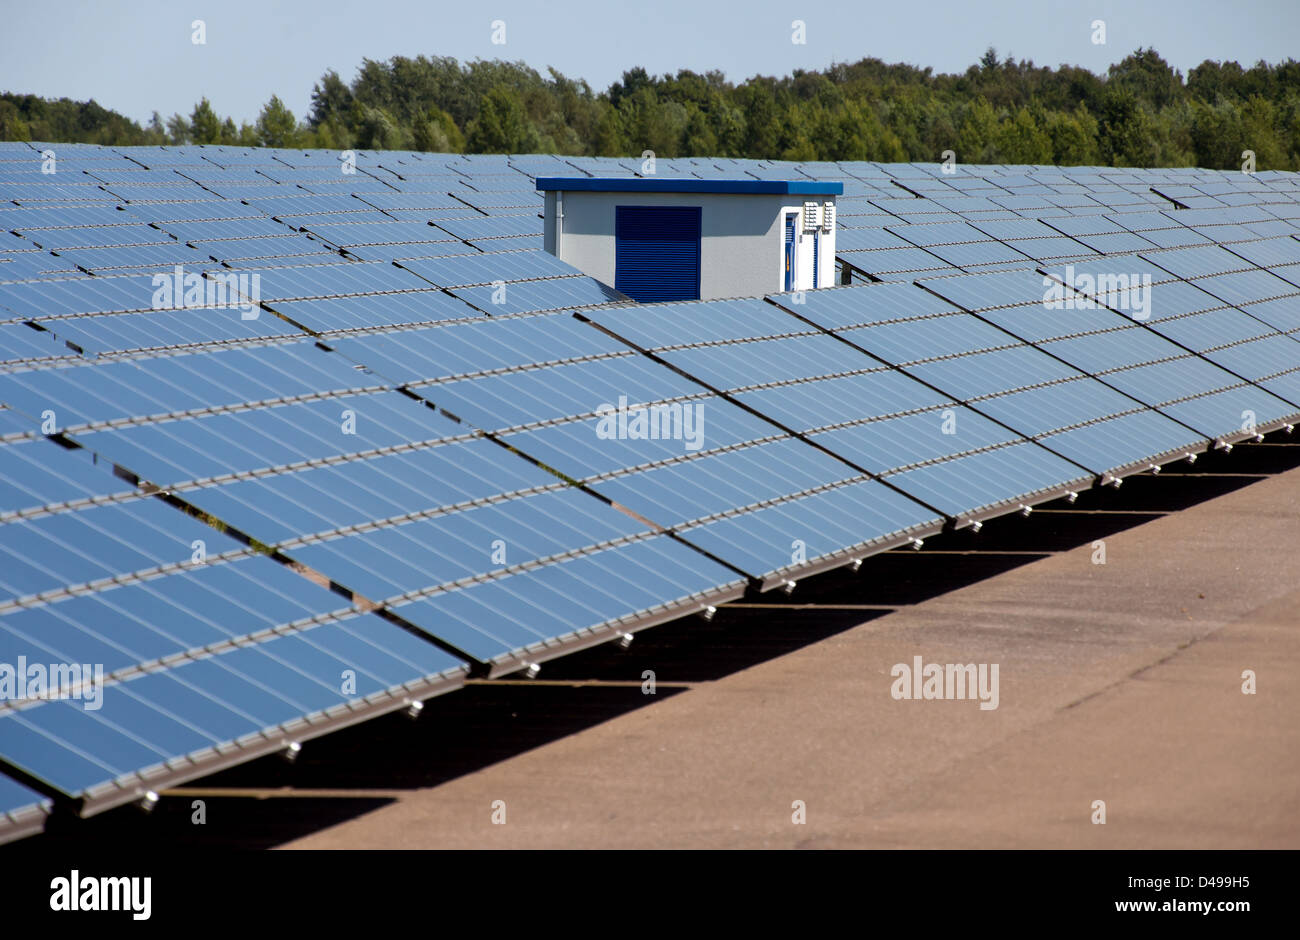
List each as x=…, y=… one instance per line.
x=220, y=229
x=895, y=263
x=368, y=311
x=1247, y=346
x=1002, y=378
x=213, y=707
x=549, y=294
x=457, y=474
x=295, y=245
x=333, y=280
x=493, y=227
x=1125, y=355
x=350, y=234
x=508, y=243
x=499, y=266
x=797, y=378
x=22, y=811
x=343, y=499
x=195, y=382
x=29, y=265
x=553, y=413
x=977, y=254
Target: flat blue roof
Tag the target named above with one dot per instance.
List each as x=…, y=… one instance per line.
x=688, y=185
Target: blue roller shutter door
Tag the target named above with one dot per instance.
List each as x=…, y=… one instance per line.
x=657, y=252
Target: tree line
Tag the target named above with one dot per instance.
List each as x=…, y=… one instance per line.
x=1142, y=112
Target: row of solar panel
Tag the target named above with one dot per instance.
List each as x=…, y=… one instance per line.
x=399, y=514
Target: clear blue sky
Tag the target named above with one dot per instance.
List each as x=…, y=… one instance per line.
x=135, y=56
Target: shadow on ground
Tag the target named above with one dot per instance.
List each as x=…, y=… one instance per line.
x=488, y=722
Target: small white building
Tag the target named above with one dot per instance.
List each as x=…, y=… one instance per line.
x=694, y=239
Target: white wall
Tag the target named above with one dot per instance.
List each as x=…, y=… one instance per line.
x=741, y=250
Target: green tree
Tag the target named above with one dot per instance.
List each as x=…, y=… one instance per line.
x=331, y=99
x=276, y=125
x=1259, y=132
x=1150, y=78
x=977, y=135
x=205, y=126
x=12, y=125
x=501, y=125
x=376, y=129
x=609, y=140
x=762, y=135
x=999, y=109
x=1073, y=138
x=436, y=132
x=1022, y=139
x=178, y=130
x=1124, y=131
x=1217, y=135
x=698, y=139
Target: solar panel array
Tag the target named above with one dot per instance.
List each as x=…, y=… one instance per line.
x=288, y=441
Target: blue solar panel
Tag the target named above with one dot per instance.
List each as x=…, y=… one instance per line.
x=1131, y=358
x=1198, y=260
x=819, y=386
x=286, y=244
x=348, y=234
x=88, y=545
x=493, y=227
x=1175, y=237
x=508, y=243
x=867, y=239
x=1197, y=320
x=852, y=421
x=485, y=269
x=568, y=396
x=35, y=473
x=886, y=261
x=20, y=343
x=986, y=291
x=361, y=277
x=597, y=588
x=133, y=258
x=1111, y=243
x=550, y=294
x=975, y=254
x=28, y=265
x=416, y=355
x=59, y=239
x=272, y=201
x=400, y=201
x=208, y=710
x=22, y=811
x=1269, y=252
x=1247, y=287
x=131, y=331
x=388, y=508
x=174, y=450
x=86, y=392
x=45, y=299
x=837, y=523
x=367, y=311
x=519, y=397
